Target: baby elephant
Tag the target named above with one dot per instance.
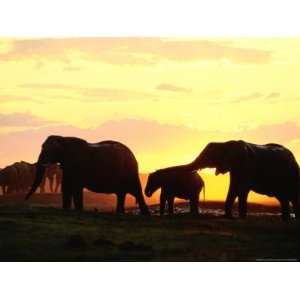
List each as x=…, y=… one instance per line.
x=186, y=185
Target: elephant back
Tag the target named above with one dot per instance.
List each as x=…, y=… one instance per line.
x=113, y=158
x=10, y=174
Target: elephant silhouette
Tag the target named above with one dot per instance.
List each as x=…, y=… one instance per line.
x=269, y=169
x=185, y=185
x=9, y=179
x=104, y=167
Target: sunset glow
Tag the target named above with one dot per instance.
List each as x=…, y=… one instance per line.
x=164, y=98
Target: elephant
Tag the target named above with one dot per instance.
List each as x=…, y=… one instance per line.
x=185, y=185
x=104, y=167
x=1, y=183
x=54, y=171
x=269, y=169
x=27, y=173
x=9, y=180
x=24, y=175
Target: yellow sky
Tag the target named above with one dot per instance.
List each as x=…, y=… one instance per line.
x=165, y=98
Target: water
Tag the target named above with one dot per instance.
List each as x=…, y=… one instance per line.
x=154, y=210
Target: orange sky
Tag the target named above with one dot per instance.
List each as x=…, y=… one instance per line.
x=165, y=98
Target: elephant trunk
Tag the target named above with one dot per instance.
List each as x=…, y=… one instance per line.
x=39, y=174
x=198, y=164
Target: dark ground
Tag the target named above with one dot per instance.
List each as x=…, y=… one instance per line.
x=42, y=231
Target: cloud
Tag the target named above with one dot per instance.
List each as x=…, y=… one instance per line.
x=133, y=51
x=14, y=98
x=72, y=69
x=144, y=137
x=172, y=88
x=273, y=95
x=92, y=94
x=50, y=86
x=161, y=144
x=255, y=96
x=22, y=120
x=250, y=96
x=282, y=133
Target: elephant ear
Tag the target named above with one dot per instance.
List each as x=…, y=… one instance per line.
x=52, y=149
x=54, y=144
x=235, y=156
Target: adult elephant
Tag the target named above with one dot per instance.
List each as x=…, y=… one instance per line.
x=24, y=175
x=1, y=182
x=104, y=167
x=53, y=171
x=268, y=169
x=9, y=180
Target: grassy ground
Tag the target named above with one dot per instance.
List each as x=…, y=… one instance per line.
x=41, y=233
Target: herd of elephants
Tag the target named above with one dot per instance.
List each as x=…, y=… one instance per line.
x=18, y=177
x=111, y=167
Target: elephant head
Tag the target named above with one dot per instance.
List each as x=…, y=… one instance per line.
x=152, y=185
x=52, y=152
x=225, y=157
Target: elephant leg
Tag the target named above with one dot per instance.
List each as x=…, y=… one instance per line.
x=243, y=204
x=121, y=203
x=51, y=183
x=56, y=185
x=231, y=195
x=78, y=198
x=66, y=195
x=42, y=186
x=138, y=194
x=296, y=208
x=285, y=210
x=171, y=205
x=9, y=189
x=194, y=204
x=162, y=204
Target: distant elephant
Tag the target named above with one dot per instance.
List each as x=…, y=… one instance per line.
x=269, y=169
x=54, y=172
x=27, y=175
x=58, y=179
x=9, y=180
x=24, y=175
x=104, y=167
x=185, y=185
x=1, y=183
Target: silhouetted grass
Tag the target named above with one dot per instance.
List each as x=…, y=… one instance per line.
x=51, y=234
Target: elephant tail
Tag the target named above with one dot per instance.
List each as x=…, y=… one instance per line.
x=203, y=194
